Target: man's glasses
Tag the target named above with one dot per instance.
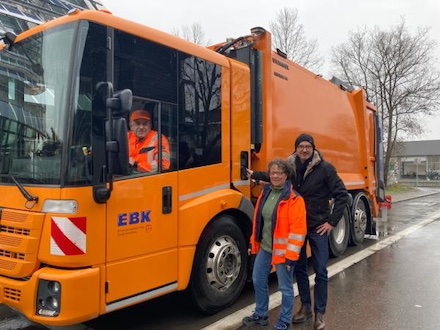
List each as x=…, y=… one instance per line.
x=304, y=147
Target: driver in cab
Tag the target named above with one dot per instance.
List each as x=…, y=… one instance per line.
x=143, y=144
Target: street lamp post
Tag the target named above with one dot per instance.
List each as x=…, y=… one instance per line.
x=417, y=171
x=417, y=174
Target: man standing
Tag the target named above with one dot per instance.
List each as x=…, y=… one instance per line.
x=143, y=144
x=318, y=183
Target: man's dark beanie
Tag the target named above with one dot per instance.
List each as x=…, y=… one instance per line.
x=304, y=137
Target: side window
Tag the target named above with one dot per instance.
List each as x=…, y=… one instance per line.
x=88, y=122
x=200, y=113
x=162, y=121
x=150, y=71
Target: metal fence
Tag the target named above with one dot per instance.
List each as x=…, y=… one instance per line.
x=419, y=183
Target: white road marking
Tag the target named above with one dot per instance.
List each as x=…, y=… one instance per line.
x=233, y=321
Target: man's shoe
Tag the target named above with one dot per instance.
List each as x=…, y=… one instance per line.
x=254, y=319
x=302, y=315
x=280, y=325
x=319, y=321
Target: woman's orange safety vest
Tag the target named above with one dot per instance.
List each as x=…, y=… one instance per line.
x=290, y=227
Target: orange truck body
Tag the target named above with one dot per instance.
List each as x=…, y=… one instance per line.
x=341, y=122
x=127, y=249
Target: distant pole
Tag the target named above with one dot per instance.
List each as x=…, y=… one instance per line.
x=417, y=172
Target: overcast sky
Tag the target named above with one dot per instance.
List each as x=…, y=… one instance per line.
x=328, y=21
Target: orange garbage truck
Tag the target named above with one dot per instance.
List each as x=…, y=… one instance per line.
x=83, y=233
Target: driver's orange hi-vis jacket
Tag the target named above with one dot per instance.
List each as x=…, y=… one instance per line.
x=145, y=152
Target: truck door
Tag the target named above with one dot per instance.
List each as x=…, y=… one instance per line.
x=141, y=255
x=142, y=224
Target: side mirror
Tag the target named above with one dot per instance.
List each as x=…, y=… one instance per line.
x=126, y=98
x=116, y=140
x=118, y=146
x=120, y=102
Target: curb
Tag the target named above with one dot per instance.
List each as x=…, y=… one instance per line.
x=397, y=199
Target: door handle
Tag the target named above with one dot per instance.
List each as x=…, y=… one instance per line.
x=166, y=199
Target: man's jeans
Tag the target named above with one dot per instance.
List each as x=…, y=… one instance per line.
x=260, y=278
x=319, y=247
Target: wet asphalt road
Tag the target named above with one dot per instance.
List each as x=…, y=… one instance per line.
x=397, y=287
x=394, y=288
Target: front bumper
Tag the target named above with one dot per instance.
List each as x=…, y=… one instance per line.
x=80, y=295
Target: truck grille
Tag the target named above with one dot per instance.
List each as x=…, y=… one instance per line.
x=13, y=230
x=12, y=294
x=20, y=233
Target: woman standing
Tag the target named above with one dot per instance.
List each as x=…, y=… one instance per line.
x=278, y=233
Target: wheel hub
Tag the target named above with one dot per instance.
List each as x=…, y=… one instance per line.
x=360, y=220
x=223, y=264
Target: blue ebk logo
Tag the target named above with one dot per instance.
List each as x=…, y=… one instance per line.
x=134, y=218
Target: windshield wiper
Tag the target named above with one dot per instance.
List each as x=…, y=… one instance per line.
x=23, y=191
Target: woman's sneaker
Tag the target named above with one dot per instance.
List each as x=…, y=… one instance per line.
x=254, y=319
x=280, y=325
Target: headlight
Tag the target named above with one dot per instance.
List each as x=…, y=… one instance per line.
x=52, y=302
x=54, y=287
x=48, y=298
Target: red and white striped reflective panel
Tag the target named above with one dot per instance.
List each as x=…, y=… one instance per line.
x=68, y=236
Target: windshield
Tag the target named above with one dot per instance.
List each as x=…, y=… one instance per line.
x=33, y=97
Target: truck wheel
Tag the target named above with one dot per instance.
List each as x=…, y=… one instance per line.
x=359, y=221
x=220, y=266
x=338, y=239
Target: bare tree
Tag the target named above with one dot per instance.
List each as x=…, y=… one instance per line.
x=288, y=35
x=397, y=71
x=193, y=33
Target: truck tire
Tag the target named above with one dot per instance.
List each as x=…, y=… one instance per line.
x=338, y=239
x=360, y=219
x=220, y=266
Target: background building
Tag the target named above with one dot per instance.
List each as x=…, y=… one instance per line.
x=19, y=15
x=417, y=163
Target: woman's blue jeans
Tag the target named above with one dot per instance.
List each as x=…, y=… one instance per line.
x=260, y=278
x=319, y=246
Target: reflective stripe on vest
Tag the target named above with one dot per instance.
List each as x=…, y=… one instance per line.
x=297, y=237
x=290, y=247
x=150, y=155
x=293, y=248
x=279, y=252
x=280, y=241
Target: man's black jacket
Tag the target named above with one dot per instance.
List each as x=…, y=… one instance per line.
x=320, y=185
